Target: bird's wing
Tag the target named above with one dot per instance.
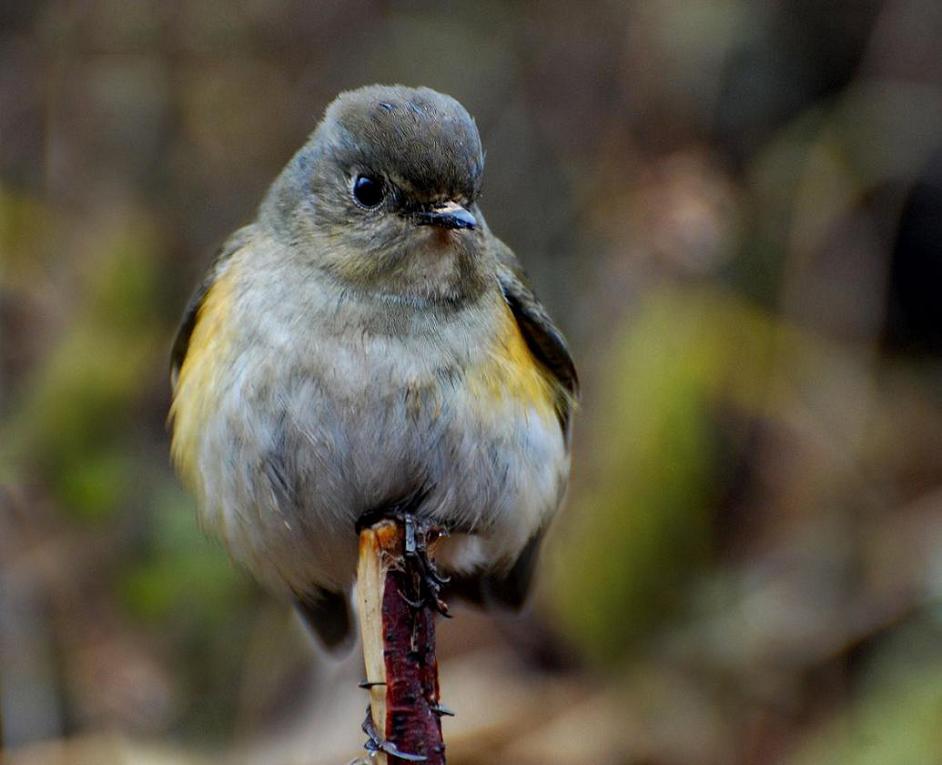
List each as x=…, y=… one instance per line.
x=542, y=336
x=181, y=342
x=328, y=614
x=509, y=589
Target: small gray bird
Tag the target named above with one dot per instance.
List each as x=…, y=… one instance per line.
x=368, y=342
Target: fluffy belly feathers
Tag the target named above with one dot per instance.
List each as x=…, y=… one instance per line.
x=287, y=445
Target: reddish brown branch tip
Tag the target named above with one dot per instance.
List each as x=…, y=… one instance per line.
x=398, y=593
x=412, y=695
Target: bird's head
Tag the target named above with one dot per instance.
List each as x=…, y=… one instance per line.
x=383, y=195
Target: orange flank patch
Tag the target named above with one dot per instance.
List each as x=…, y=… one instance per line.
x=511, y=371
x=200, y=380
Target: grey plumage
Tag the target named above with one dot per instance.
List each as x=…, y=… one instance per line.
x=340, y=357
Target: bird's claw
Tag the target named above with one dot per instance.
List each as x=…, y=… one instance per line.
x=417, y=533
x=427, y=580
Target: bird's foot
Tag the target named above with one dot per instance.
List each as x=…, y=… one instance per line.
x=418, y=533
x=427, y=581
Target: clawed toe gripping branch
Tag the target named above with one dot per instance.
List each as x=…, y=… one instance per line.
x=398, y=588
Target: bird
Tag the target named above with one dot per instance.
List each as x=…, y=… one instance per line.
x=367, y=342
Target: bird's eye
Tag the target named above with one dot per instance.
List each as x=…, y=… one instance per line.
x=368, y=190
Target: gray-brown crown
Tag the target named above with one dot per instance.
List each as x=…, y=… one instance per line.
x=424, y=141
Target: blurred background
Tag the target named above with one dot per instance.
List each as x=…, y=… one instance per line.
x=734, y=210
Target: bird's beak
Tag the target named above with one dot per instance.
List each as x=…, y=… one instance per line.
x=450, y=215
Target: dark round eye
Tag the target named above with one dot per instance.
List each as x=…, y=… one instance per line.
x=369, y=191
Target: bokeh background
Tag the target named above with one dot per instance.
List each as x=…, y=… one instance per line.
x=733, y=208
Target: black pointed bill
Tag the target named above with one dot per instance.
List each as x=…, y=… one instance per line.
x=450, y=216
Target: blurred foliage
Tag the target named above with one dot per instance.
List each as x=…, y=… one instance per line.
x=660, y=385
x=76, y=414
x=181, y=580
x=734, y=209
x=894, y=720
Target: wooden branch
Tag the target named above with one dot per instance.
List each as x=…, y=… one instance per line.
x=371, y=577
x=397, y=623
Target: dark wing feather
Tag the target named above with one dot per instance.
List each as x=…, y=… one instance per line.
x=542, y=336
x=328, y=614
x=182, y=341
x=504, y=590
